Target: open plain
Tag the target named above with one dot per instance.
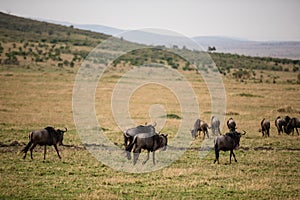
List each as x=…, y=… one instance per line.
x=37, y=75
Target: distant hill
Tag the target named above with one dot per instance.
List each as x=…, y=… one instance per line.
x=90, y=27
x=33, y=44
x=281, y=49
x=14, y=28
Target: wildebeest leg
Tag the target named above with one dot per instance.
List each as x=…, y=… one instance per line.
x=297, y=131
x=280, y=130
x=136, y=153
x=153, y=157
x=128, y=155
x=25, y=155
x=231, y=153
x=26, y=148
x=31, y=149
x=57, y=150
x=196, y=134
x=146, y=158
x=217, y=156
x=45, y=149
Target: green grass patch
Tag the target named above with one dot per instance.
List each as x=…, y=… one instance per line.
x=173, y=116
x=249, y=95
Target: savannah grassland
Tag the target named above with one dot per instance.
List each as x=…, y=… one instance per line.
x=267, y=168
x=38, y=94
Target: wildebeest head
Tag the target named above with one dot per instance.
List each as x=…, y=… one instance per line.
x=193, y=132
x=60, y=135
x=163, y=141
x=239, y=135
x=236, y=136
x=286, y=119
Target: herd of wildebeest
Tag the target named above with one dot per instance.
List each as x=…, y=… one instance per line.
x=145, y=137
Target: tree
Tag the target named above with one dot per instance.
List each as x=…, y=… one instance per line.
x=213, y=48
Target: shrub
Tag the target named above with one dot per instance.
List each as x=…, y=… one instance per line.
x=173, y=116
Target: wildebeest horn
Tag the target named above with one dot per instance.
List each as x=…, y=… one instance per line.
x=244, y=132
x=154, y=124
x=66, y=129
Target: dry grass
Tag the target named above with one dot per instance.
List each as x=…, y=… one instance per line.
x=34, y=99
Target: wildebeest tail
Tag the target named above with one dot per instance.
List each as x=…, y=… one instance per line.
x=26, y=148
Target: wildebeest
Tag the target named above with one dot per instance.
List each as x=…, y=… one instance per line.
x=199, y=126
x=152, y=143
x=265, y=127
x=215, y=125
x=293, y=123
x=130, y=133
x=281, y=124
x=227, y=142
x=47, y=136
x=231, y=124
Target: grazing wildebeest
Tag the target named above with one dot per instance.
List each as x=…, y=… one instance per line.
x=281, y=124
x=215, y=125
x=227, y=142
x=152, y=143
x=47, y=136
x=198, y=127
x=265, y=127
x=231, y=124
x=294, y=123
x=130, y=133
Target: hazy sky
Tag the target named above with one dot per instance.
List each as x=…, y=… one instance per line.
x=249, y=19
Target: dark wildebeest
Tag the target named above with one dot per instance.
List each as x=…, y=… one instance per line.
x=152, y=143
x=130, y=133
x=294, y=123
x=227, y=142
x=231, y=124
x=198, y=127
x=47, y=136
x=265, y=127
x=281, y=124
x=215, y=125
